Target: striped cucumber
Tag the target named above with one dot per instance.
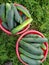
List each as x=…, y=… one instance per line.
x=2, y=12
x=32, y=36
x=30, y=61
x=5, y=25
x=35, y=40
x=30, y=55
x=24, y=10
x=31, y=49
x=10, y=18
x=20, y=27
x=43, y=46
x=17, y=15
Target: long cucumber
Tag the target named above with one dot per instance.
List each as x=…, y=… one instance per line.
x=24, y=10
x=2, y=12
x=31, y=49
x=35, y=40
x=32, y=36
x=30, y=61
x=10, y=18
x=20, y=27
x=30, y=55
x=17, y=15
x=36, y=44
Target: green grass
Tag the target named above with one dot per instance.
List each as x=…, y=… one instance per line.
x=39, y=10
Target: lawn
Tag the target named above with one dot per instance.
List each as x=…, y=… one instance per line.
x=39, y=10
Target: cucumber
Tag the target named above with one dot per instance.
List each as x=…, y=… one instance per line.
x=20, y=27
x=15, y=24
x=2, y=12
x=36, y=44
x=43, y=46
x=17, y=15
x=30, y=55
x=10, y=18
x=24, y=10
x=35, y=40
x=30, y=61
x=8, y=7
x=32, y=36
x=31, y=49
x=4, y=25
x=23, y=17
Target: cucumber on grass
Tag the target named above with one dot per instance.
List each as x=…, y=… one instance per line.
x=17, y=15
x=31, y=49
x=29, y=60
x=37, y=57
x=24, y=10
x=35, y=40
x=20, y=27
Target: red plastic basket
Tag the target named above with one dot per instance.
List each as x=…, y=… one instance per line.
x=30, y=32
x=8, y=32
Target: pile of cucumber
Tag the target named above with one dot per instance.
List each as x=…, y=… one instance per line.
x=12, y=20
x=31, y=49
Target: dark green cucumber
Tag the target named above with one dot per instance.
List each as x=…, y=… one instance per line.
x=31, y=49
x=30, y=61
x=23, y=17
x=2, y=12
x=30, y=55
x=17, y=15
x=4, y=25
x=10, y=18
x=35, y=40
x=15, y=24
x=20, y=27
x=43, y=46
x=24, y=10
x=32, y=36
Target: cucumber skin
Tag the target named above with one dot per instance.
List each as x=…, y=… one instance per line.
x=43, y=46
x=17, y=15
x=36, y=57
x=10, y=20
x=29, y=48
x=24, y=10
x=23, y=17
x=32, y=36
x=4, y=25
x=2, y=12
x=35, y=40
x=30, y=61
x=10, y=17
x=36, y=44
x=20, y=27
